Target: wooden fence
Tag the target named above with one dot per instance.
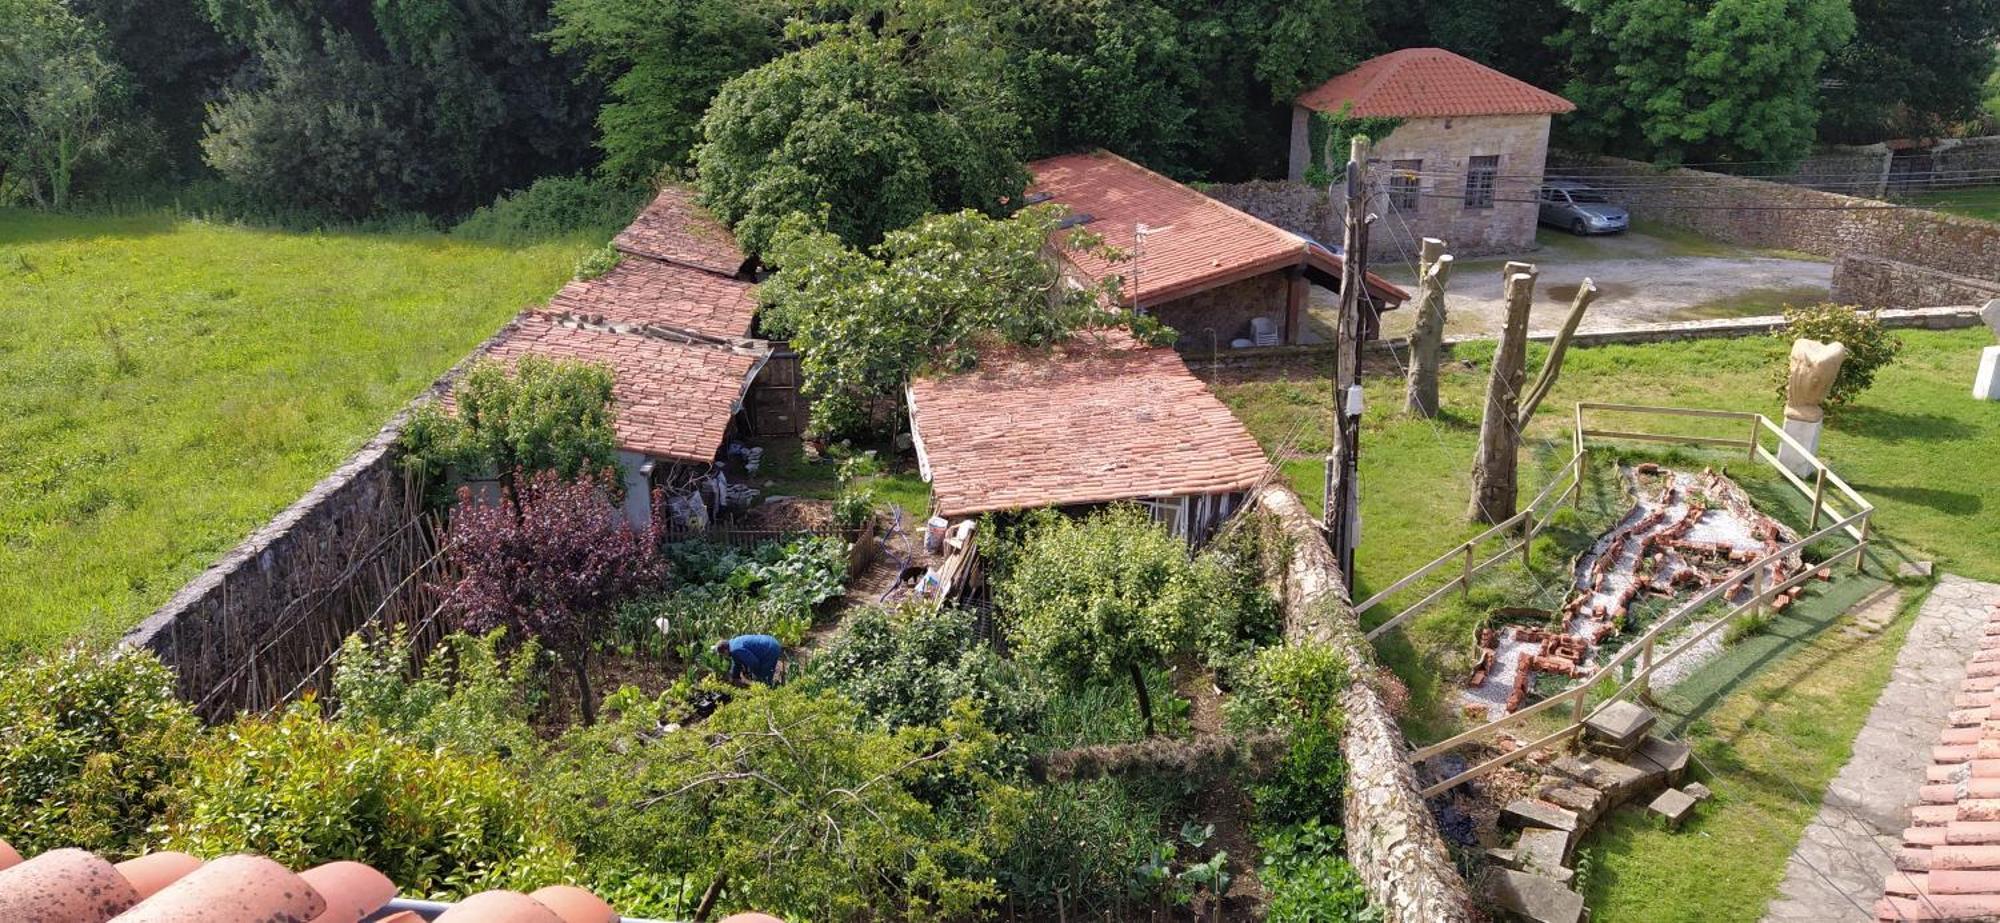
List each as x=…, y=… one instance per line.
x=1831, y=499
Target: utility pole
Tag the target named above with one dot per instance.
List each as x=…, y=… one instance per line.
x=1342, y=508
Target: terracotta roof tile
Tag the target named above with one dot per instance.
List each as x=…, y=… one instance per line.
x=1201, y=244
x=1949, y=866
x=673, y=399
x=676, y=228
x=640, y=290
x=1430, y=83
x=1094, y=420
x=74, y=886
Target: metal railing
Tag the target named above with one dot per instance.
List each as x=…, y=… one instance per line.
x=1830, y=496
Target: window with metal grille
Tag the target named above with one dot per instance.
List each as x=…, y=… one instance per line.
x=1405, y=190
x=1480, y=174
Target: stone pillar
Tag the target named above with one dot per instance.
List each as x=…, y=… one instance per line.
x=1301, y=146
x=1986, y=386
x=1807, y=434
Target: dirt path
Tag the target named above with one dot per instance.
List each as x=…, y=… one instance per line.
x=1223, y=803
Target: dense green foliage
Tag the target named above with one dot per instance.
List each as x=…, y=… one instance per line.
x=1914, y=69
x=865, y=321
x=719, y=591
x=89, y=747
x=790, y=803
x=472, y=695
x=555, y=207
x=1309, y=880
x=1870, y=346
x=859, y=133
x=530, y=416
x=182, y=381
x=60, y=95
x=304, y=791
x=1674, y=80
x=910, y=665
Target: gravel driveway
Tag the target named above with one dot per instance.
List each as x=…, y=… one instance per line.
x=1641, y=278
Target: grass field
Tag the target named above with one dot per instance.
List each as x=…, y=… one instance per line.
x=1980, y=202
x=167, y=385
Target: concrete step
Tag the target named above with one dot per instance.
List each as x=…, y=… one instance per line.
x=1528, y=896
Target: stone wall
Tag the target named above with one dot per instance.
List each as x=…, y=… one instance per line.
x=1390, y=835
x=1757, y=213
x=1876, y=282
x=262, y=620
x=1224, y=312
x=1957, y=161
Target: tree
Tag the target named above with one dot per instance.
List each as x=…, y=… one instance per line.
x=1427, y=340
x=178, y=62
x=1913, y=68
x=540, y=415
x=59, y=97
x=1496, y=467
x=662, y=62
x=549, y=563
x=1678, y=80
x=865, y=322
x=864, y=133
x=1107, y=596
x=356, y=109
x=791, y=802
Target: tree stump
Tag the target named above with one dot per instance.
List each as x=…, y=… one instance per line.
x=1427, y=340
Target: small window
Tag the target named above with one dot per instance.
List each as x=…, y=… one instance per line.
x=1479, y=177
x=1405, y=184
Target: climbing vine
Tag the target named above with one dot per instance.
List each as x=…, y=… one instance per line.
x=1330, y=133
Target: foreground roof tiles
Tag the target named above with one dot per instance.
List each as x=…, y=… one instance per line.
x=1094, y=420
x=675, y=228
x=1430, y=83
x=75, y=886
x=1949, y=865
x=1194, y=243
x=640, y=290
x=674, y=399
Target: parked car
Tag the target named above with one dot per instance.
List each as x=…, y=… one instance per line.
x=1579, y=209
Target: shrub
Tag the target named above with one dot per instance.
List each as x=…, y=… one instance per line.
x=470, y=696
x=1291, y=686
x=551, y=563
x=90, y=747
x=552, y=207
x=908, y=666
x=787, y=801
x=596, y=262
x=1870, y=346
x=536, y=415
x=1307, y=785
x=1308, y=879
x=305, y=791
x=1089, y=840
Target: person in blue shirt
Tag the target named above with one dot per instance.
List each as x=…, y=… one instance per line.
x=752, y=657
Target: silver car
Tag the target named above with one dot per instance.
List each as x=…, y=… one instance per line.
x=1579, y=209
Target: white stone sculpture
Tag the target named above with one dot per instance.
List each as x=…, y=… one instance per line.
x=1986, y=385
x=1814, y=367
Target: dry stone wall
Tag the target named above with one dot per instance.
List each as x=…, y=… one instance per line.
x=1392, y=840
x=1877, y=282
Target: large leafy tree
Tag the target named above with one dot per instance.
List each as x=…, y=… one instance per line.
x=865, y=321
x=178, y=62
x=1709, y=80
x=60, y=95
x=864, y=132
x=357, y=108
x=537, y=415
x=1914, y=68
x=662, y=62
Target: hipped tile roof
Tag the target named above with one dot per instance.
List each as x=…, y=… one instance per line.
x=672, y=399
x=1097, y=419
x=1200, y=243
x=640, y=290
x=1430, y=83
x=75, y=886
x=1949, y=865
x=675, y=228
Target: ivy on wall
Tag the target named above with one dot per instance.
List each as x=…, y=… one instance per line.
x=1328, y=136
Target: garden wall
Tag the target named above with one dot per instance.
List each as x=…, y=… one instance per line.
x=1757, y=213
x=1878, y=282
x=1392, y=840
x=259, y=625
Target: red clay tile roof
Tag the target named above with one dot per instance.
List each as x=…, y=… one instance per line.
x=1430, y=83
x=677, y=229
x=673, y=399
x=74, y=886
x=1097, y=419
x=1201, y=243
x=1949, y=866
x=647, y=291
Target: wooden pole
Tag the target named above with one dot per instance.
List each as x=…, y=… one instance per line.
x=1496, y=467
x=1341, y=518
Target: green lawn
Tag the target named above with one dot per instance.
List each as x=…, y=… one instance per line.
x=167, y=385
x=1982, y=202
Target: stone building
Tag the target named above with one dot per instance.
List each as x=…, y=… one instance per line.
x=1464, y=165
x=1213, y=273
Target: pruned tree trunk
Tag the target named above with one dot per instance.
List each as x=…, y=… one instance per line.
x=1427, y=340
x=706, y=907
x=586, y=700
x=1495, y=469
x=1145, y=699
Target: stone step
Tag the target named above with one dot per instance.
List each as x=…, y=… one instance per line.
x=1524, y=813
x=1537, y=898
x=1618, y=728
